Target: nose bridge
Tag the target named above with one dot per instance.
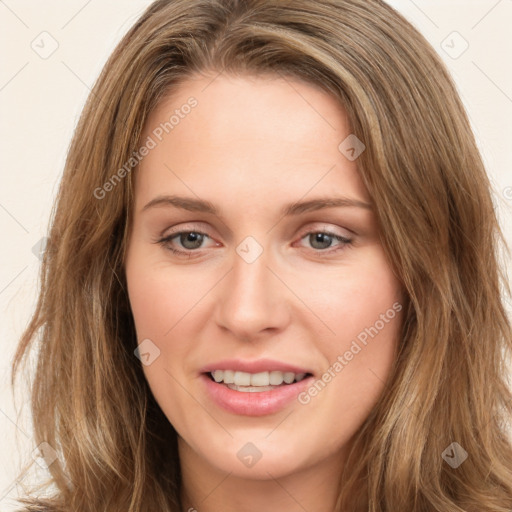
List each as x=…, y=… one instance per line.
x=250, y=276
x=253, y=299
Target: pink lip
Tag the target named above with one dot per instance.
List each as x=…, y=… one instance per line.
x=253, y=404
x=261, y=365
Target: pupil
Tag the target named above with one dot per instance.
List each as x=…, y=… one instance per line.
x=195, y=238
x=321, y=237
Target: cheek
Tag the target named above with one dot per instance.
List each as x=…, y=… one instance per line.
x=160, y=300
x=169, y=308
x=151, y=295
x=362, y=307
x=353, y=299
x=160, y=296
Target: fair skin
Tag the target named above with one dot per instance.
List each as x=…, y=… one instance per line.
x=251, y=146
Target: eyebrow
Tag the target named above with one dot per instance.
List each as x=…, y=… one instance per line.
x=200, y=205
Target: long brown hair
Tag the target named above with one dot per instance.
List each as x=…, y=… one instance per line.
x=90, y=400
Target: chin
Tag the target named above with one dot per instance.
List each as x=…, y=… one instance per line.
x=259, y=459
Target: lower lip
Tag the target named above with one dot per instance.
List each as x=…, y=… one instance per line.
x=258, y=403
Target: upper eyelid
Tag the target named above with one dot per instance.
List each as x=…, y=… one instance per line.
x=318, y=227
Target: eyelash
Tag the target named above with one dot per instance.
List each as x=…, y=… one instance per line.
x=345, y=242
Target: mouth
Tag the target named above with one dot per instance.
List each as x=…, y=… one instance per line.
x=254, y=394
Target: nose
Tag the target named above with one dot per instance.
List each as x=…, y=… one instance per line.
x=252, y=301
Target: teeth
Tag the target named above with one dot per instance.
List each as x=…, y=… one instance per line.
x=229, y=377
x=242, y=379
x=260, y=380
x=276, y=378
x=289, y=377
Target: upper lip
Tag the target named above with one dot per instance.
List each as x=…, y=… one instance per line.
x=255, y=366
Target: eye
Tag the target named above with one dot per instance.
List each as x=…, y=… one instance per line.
x=322, y=240
x=189, y=240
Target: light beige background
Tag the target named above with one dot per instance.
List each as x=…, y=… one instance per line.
x=41, y=96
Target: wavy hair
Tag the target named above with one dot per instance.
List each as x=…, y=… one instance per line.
x=89, y=398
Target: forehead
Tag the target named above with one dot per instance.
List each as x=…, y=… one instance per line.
x=246, y=135
x=228, y=101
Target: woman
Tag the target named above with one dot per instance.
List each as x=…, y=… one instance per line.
x=201, y=349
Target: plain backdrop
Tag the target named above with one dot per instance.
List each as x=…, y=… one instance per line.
x=51, y=54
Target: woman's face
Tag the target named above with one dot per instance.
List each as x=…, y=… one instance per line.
x=270, y=284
